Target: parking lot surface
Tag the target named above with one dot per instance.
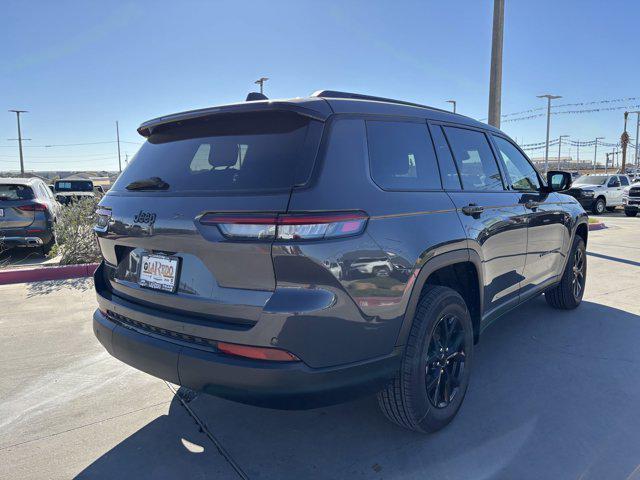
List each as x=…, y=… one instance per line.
x=553, y=395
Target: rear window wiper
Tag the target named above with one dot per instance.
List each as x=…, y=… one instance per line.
x=152, y=183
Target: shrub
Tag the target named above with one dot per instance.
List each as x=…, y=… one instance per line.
x=75, y=239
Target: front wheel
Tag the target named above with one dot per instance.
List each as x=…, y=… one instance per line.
x=568, y=293
x=630, y=213
x=430, y=386
x=599, y=207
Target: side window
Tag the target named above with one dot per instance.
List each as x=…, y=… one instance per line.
x=522, y=174
x=401, y=156
x=613, y=182
x=476, y=163
x=448, y=171
x=624, y=181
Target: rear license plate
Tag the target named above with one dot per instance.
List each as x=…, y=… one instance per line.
x=159, y=272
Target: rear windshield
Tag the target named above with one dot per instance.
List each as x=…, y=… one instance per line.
x=590, y=180
x=241, y=152
x=15, y=192
x=74, y=186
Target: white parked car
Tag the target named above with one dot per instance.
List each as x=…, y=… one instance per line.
x=599, y=192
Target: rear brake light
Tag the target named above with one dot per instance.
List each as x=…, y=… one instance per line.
x=296, y=226
x=33, y=207
x=257, y=353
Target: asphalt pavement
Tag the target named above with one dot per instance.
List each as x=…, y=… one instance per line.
x=553, y=395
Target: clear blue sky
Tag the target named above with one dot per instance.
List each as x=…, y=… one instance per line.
x=79, y=66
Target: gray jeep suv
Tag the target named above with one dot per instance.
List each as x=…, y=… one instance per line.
x=300, y=253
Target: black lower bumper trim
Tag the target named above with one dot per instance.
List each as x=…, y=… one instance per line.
x=270, y=384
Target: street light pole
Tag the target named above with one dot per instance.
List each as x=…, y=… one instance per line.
x=454, y=104
x=546, y=148
x=18, y=112
x=595, y=152
x=495, y=76
x=118, y=140
x=260, y=82
x=560, y=147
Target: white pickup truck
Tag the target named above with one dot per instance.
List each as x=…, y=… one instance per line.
x=598, y=192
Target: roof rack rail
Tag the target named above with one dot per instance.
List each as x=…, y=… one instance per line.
x=359, y=96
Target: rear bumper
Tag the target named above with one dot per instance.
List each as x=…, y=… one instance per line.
x=17, y=241
x=270, y=384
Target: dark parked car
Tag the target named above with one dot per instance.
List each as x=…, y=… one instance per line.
x=68, y=191
x=27, y=213
x=299, y=253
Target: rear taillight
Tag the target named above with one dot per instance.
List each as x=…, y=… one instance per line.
x=34, y=207
x=295, y=226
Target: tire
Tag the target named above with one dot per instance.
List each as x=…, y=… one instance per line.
x=563, y=296
x=599, y=206
x=630, y=213
x=407, y=400
x=46, y=248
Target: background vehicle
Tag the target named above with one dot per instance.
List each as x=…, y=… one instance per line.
x=246, y=251
x=631, y=200
x=599, y=192
x=27, y=213
x=70, y=190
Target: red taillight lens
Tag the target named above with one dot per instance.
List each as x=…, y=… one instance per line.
x=257, y=353
x=296, y=226
x=34, y=207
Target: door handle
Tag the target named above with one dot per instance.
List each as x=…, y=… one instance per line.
x=472, y=210
x=531, y=205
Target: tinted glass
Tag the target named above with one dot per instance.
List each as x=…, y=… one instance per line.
x=74, y=186
x=242, y=152
x=448, y=172
x=613, y=182
x=591, y=180
x=521, y=173
x=475, y=160
x=624, y=181
x=15, y=192
x=401, y=156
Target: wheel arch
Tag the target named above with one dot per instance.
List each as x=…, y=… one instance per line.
x=460, y=270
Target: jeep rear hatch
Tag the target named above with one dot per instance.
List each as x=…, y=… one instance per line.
x=233, y=164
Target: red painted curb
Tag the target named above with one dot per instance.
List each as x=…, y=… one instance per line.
x=46, y=273
x=597, y=226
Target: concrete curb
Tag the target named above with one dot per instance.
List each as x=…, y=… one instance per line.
x=597, y=226
x=60, y=272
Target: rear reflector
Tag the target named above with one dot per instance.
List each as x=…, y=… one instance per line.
x=296, y=226
x=257, y=353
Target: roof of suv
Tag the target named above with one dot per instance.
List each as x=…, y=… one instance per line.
x=320, y=105
x=18, y=181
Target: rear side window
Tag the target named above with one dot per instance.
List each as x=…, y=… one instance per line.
x=239, y=152
x=15, y=192
x=476, y=163
x=401, y=156
x=624, y=181
x=448, y=171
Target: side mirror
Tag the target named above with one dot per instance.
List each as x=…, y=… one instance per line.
x=558, y=181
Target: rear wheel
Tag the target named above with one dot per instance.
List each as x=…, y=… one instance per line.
x=568, y=293
x=600, y=206
x=430, y=386
x=46, y=248
x=630, y=213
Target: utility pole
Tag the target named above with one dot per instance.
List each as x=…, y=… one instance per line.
x=560, y=147
x=18, y=112
x=454, y=104
x=637, y=162
x=546, y=148
x=606, y=163
x=595, y=152
x=118, y=139
x=495, y=76
x=624, y=140
x=260, y=82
